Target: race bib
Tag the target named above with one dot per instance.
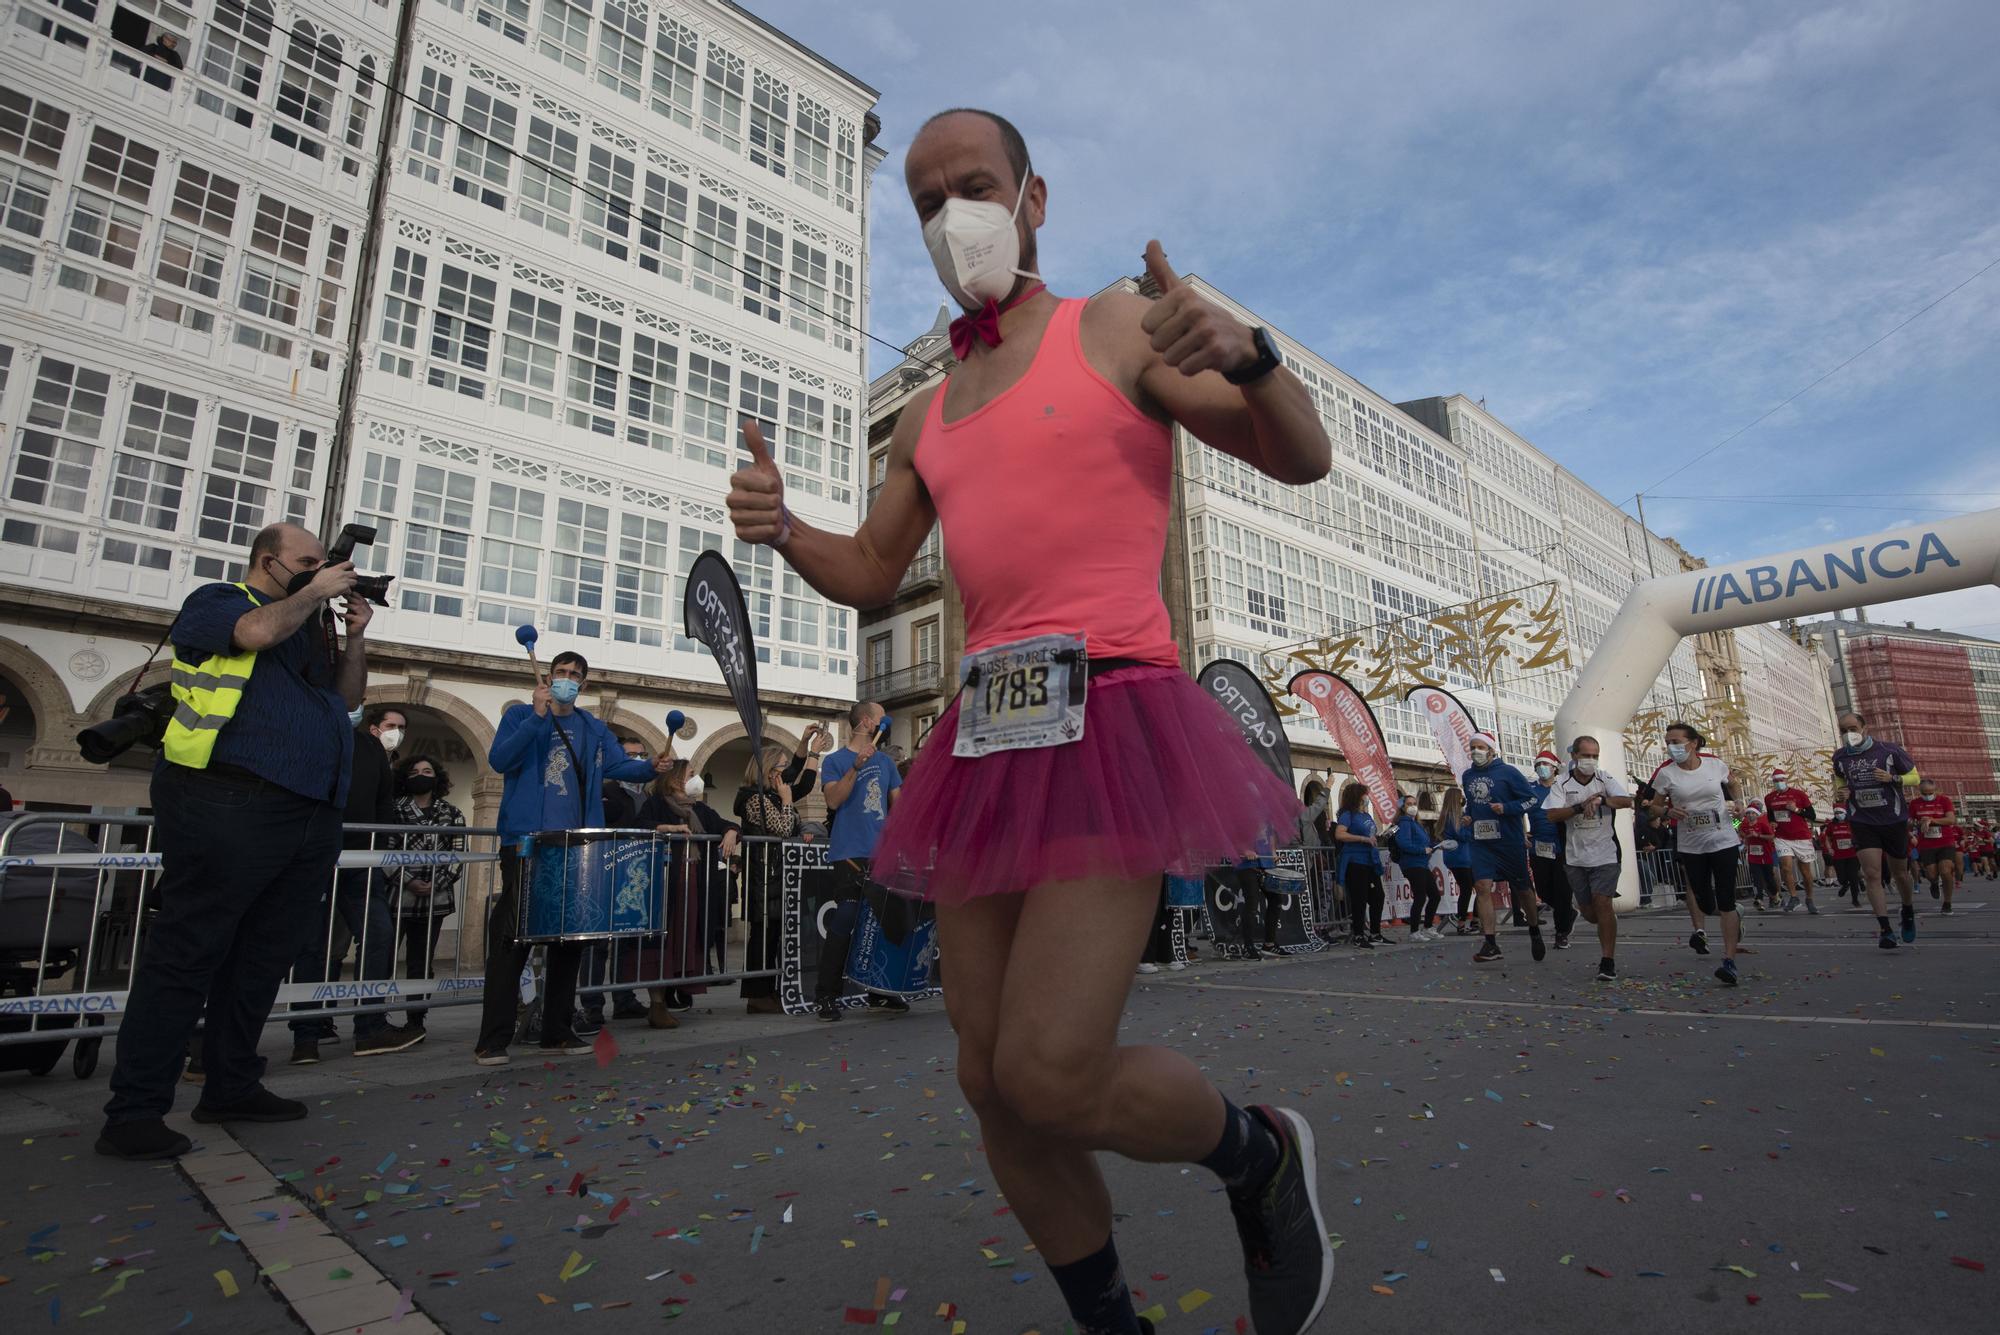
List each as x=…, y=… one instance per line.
x=1486, y=829
x=1545, y=848
x=1703, y=820
x=1871, y=797
x=1022, y=696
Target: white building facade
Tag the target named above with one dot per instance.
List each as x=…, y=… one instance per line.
x=604, y=232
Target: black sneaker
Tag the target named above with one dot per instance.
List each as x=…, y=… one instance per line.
x=1909, y=924
x=260, y=1105
x=628, y=1010
x=1562, y=940
x=1377, y=939
x=1286, y=1256
x=893, y=1005
x=678, y=1000
x=1945, y=909
x=1487, y=954
x=1698, y=942
x=1934, y=890
x=1727, y=973
x=581, y=1023
x=1535, y=945
x=305, y=1052
x=568, y=1045
x=1607, y=971
x=149, y=1138
x=1363, y=942
x=1887, y=940
x=827, y=1010
x=390, y=1039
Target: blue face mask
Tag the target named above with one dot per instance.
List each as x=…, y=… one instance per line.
x=1677, y=750
x=354, y=718
x=564, y=691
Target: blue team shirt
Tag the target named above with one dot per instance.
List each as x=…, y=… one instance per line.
x=1497, y=781
x=858, y=822
x=1358, y=855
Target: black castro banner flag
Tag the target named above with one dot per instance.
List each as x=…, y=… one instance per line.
x=1244, y=699
x=717, y=616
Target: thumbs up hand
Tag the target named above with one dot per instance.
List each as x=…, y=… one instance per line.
x=1192, y=334
x=757, y=492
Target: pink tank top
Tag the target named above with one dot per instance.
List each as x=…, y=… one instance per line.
x=1053, y=500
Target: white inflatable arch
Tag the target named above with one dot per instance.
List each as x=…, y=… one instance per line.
x=1958, y=553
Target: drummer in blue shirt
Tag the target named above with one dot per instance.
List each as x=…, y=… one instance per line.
x=554, y=758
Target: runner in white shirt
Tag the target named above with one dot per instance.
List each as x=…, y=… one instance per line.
x=1582, y=801
x=1697, y=791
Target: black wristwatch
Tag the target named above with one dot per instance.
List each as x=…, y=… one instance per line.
x=1267, y=361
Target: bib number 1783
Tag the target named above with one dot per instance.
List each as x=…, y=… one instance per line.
x=1020, y=689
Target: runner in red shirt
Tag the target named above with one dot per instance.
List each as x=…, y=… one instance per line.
x=1759, y=840
x=1931, y=813
x=1838, y=840
x=1792, y=815
x=1983, y=855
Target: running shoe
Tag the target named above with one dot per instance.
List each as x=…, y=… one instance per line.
x=1792, y=904
x=892, y=1005
x=1727, y=973
x=499, y=1058
x=1812, y=909
x=1377, y=939
x=1176, y=966
x=1887, y=940
x=1286, y=1256
x=1607, y=971
x=1909, y=924
x=1945, y=909
x=1698, y=942
x=1487, y=954
x=1535, y=945
x=1363, y=942
x=1147, y=967
x=1562, y=940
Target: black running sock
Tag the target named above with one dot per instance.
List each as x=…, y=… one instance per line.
x=1883, y=918
x=1099, y=1302
x=1605, y=964
x=1491, y=944
x=1247, y=1156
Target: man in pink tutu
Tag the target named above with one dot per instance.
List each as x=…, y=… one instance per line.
x=1079, y=761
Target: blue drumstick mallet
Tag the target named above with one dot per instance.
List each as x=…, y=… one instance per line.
x=675, y=722
x=525, y=636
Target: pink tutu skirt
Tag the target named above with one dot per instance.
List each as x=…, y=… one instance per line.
x=1161, y=781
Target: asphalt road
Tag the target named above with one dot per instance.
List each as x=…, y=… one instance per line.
x=1512, y=1148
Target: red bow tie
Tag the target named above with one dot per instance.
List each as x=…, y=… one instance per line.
x=984, y=324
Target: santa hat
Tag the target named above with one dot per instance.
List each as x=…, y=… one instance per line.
x=1485, y=739
x=1777, y=774
x=1549, y=756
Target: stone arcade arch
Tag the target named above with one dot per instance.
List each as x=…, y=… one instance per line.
x=1958, y=553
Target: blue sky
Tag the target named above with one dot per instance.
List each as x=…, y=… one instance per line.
x=1632, y=228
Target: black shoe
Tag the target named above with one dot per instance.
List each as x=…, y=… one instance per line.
x=1286, y=1256
x=677, y=1000
x=390, y=1039
x=1252, y=953
x=827, y=1010
x=1887, y=940
x=583, y=1024
x=567, y=1045
x=1909, y=924
x=1727, y=973
x=626, y=1010
x=1377, y=939
x=1934, y=890
x=1945, y=909
x=1487, y=954
x=147, y=1139
x=893, y=1005
x=1698, y=942
x=260, y=1105
x=1562, y=940
x=1535, y=945
x=1607, y=971
x=305, y=1052
x=1363, y=942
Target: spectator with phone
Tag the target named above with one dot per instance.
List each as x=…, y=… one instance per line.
x=860, y=782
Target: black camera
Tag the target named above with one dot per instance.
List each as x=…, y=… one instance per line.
x=139, y=718
x=375, y=588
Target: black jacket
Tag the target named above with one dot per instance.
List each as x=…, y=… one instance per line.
x=371, y=790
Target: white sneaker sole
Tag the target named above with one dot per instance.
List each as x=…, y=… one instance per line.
x=1309, y=1161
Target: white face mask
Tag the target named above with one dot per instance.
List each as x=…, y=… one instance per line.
x=1677, y=750
x=1587, y=766
x=391, y=738
x=1480, y=755
x=976, y=249
x=1780, y=785
x=1854, y=739
x=695, y=788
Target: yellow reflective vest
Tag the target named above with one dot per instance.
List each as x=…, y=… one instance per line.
x=205, y=698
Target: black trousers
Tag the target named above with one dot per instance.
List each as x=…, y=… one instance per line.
x=850, y=879
x=1463, y=875
x=420, y=941
x=1424, y=896
x=1364, y=898
x=243, y=865
x=1712, y=879
x=505, y=955
x=1552, y=888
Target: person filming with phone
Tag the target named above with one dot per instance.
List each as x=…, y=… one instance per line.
x=859, y=782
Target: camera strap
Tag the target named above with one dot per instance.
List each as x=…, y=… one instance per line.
x=582, y=778
x=140, y=675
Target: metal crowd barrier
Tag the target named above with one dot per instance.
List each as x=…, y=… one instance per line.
x=78, y=891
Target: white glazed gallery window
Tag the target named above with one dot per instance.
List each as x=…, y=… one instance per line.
x=148, y=476
x=462, y=332
x=639, y=591
x=799, y=611
x=763, y=269
x=770, y=109
x=360, y=107
x=402, y=307
x=809, y=293
x=24, y=208
x=437, y=541
x=595, y=353
x=281, y=231
x=120, y=166
x=621, y=47
x=757, y=569
x=722, y=98
x=269, y=291
x=547, y=197
x=206, y=199
x=57, y=451
x=650, y=392
x=234, y=45
x=510, y=554
x=577, y=566
x=715, y=248
x=837, y=625
x=509, y=18
x=757, y=400
x=674, y=76
x=840, y=456
x=706, y=422
x=805, y=442
x=378, y=499
x=483, y=167
x=106, y=231
x=663, y=225
x=528, y=354
x=428, y=119
x=308, y=83
x=235, y=498
x=607, y=203
x=812, y=147
x=566, y=32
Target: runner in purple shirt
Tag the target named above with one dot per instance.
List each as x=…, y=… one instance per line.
x=1878, y=776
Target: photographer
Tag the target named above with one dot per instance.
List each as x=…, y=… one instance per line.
x=247, y=799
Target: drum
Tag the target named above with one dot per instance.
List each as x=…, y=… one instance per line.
x=1184, y=892
x=1284, y=881
x=584, y=885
